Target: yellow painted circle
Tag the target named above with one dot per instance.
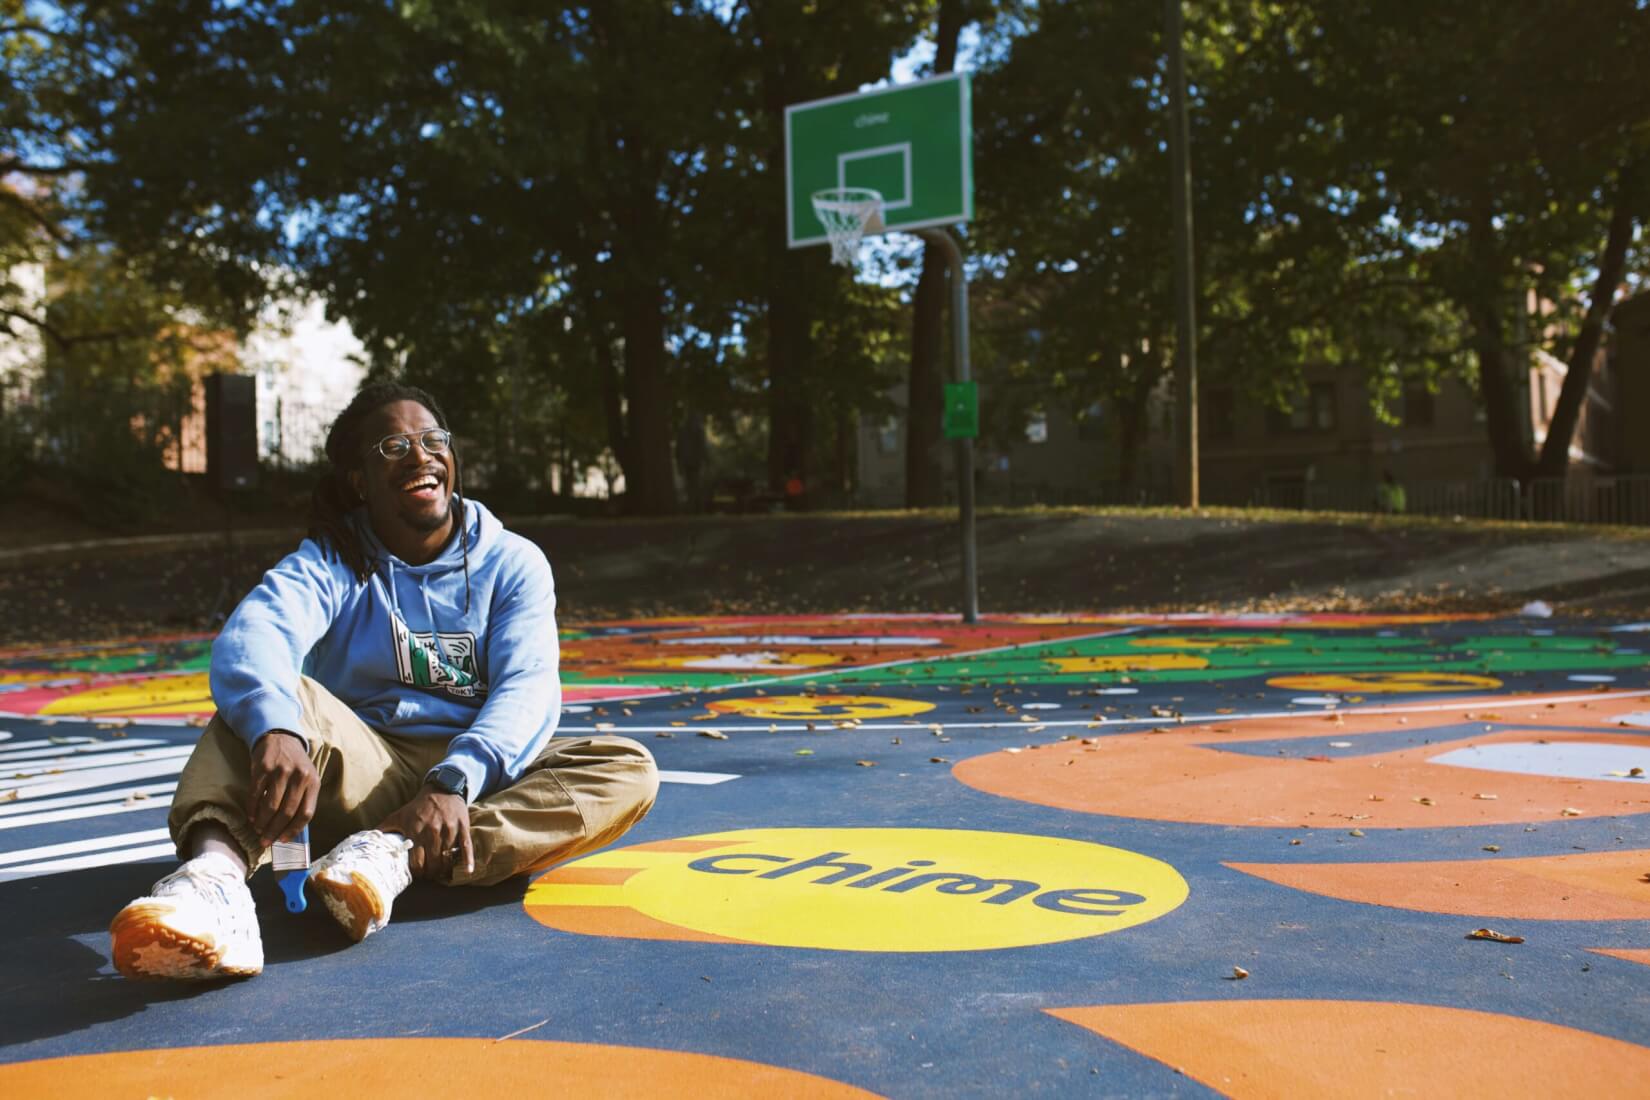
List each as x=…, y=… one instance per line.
x=741, y=662
x=1209, y=641
x=826, y=707
x=1129, y=662
x=1387, y=683
x=871, y=889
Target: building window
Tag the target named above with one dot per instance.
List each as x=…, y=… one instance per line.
x=1418, y=411
x=1315, y=412
x=1037, y=428
x=1090, y=425
x=1220, y=413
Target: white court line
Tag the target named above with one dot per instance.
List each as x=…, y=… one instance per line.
x=733, y=721
x=32, y=806
x=76, y=813
x=80, y=863
x=38, y=773
x=101, y=778
x=698, y=779
x=927, y=659
x=75, y=847
x=46, y=743
x=80, y=749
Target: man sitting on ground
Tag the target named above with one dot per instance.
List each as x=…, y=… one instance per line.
x=392, y=684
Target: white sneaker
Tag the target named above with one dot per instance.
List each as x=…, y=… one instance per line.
x=198, y=922
x=360, y=879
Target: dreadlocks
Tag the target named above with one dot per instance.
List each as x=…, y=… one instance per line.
x=333, y=499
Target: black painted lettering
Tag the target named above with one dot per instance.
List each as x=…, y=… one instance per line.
x=955, y=882
x=845, y=869
x=713, y=864
x=1083, y=902
x=889, y=875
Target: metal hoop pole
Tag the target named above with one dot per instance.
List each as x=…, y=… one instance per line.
x=965, y=447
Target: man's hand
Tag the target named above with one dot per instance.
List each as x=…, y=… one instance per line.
x=285, y=786
x=438, y=824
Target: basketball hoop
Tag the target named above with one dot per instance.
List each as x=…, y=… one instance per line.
x=848, y=213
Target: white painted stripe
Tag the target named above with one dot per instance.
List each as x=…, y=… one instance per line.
x=82, y=746
x=44, y=743
x=701, y=779
x=925, y=659
x=92, y=844
x=41, y=771
x=80, y=863
x=76, y=813
x=103, y=777
x=34, y=806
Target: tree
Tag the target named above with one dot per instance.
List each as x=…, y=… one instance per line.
x=1490, y=152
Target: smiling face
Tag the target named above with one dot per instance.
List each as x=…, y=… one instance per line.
x=409, y=499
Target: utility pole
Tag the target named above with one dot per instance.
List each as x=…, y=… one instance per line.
x=1185, y=281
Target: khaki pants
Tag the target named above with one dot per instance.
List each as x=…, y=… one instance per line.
x=579, y=794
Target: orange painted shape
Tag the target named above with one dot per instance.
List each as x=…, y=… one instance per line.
x=1587, y=886
x=684, y=845
x=1258, y=1050
x=1640, y=955
x=577, y=874
x=621, y=921
x=398, y=1068
x=1180, y=773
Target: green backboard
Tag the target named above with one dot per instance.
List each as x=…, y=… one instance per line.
x=911, y=142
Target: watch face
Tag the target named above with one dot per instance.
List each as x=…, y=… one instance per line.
x=448, y=779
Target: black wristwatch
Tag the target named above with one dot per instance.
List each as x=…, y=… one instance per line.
x=448, y=779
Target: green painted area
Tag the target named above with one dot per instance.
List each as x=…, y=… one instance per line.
x=186, y=657
x=1153, y=658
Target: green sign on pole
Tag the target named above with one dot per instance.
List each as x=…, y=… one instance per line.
x=962, y=410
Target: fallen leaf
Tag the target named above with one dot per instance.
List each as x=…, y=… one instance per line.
x=938, y=760
x=664, y=733
x=1570, y=811
x=1486, y=797
x=1340, y=744
x=1634, y=773
x=1492, y=934
x=866, y=763
x=804, y=752
x=1423, y=800
x=714, y=735
x=1293, y=843
x=1238, y=974
x=1492, y=847
x=1355, y=832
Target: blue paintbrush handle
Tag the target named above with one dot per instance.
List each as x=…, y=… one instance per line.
x=290, y=876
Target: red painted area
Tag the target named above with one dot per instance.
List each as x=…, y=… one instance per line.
x=1179, y=773
x=1258, y=1050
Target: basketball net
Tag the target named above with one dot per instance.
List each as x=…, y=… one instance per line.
x=848, y=213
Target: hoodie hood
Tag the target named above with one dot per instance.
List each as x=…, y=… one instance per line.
x=481, y=528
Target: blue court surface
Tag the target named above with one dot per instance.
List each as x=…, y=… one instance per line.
x=1278, y=855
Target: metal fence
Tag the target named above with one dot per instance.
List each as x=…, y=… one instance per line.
x=1587, y=498
x=1582, y=498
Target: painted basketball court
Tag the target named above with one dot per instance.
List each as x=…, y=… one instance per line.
x=903, y=856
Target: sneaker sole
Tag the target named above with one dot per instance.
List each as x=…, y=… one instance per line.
x=144, y=946
x=353, y=904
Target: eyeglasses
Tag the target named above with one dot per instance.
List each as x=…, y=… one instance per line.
x=435, y=442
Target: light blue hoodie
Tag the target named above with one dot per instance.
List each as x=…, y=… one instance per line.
x=400, y=649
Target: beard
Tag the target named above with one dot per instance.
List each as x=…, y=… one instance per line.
x=433, y=521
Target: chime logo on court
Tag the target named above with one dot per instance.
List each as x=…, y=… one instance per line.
x=859, y=890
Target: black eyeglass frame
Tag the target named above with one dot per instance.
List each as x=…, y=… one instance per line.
x=442, y=437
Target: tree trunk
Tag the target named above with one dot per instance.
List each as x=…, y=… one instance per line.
x=650, y=478
x=1484, y=306
x=1555, y=451
x=789, y=353
x=925, y=393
